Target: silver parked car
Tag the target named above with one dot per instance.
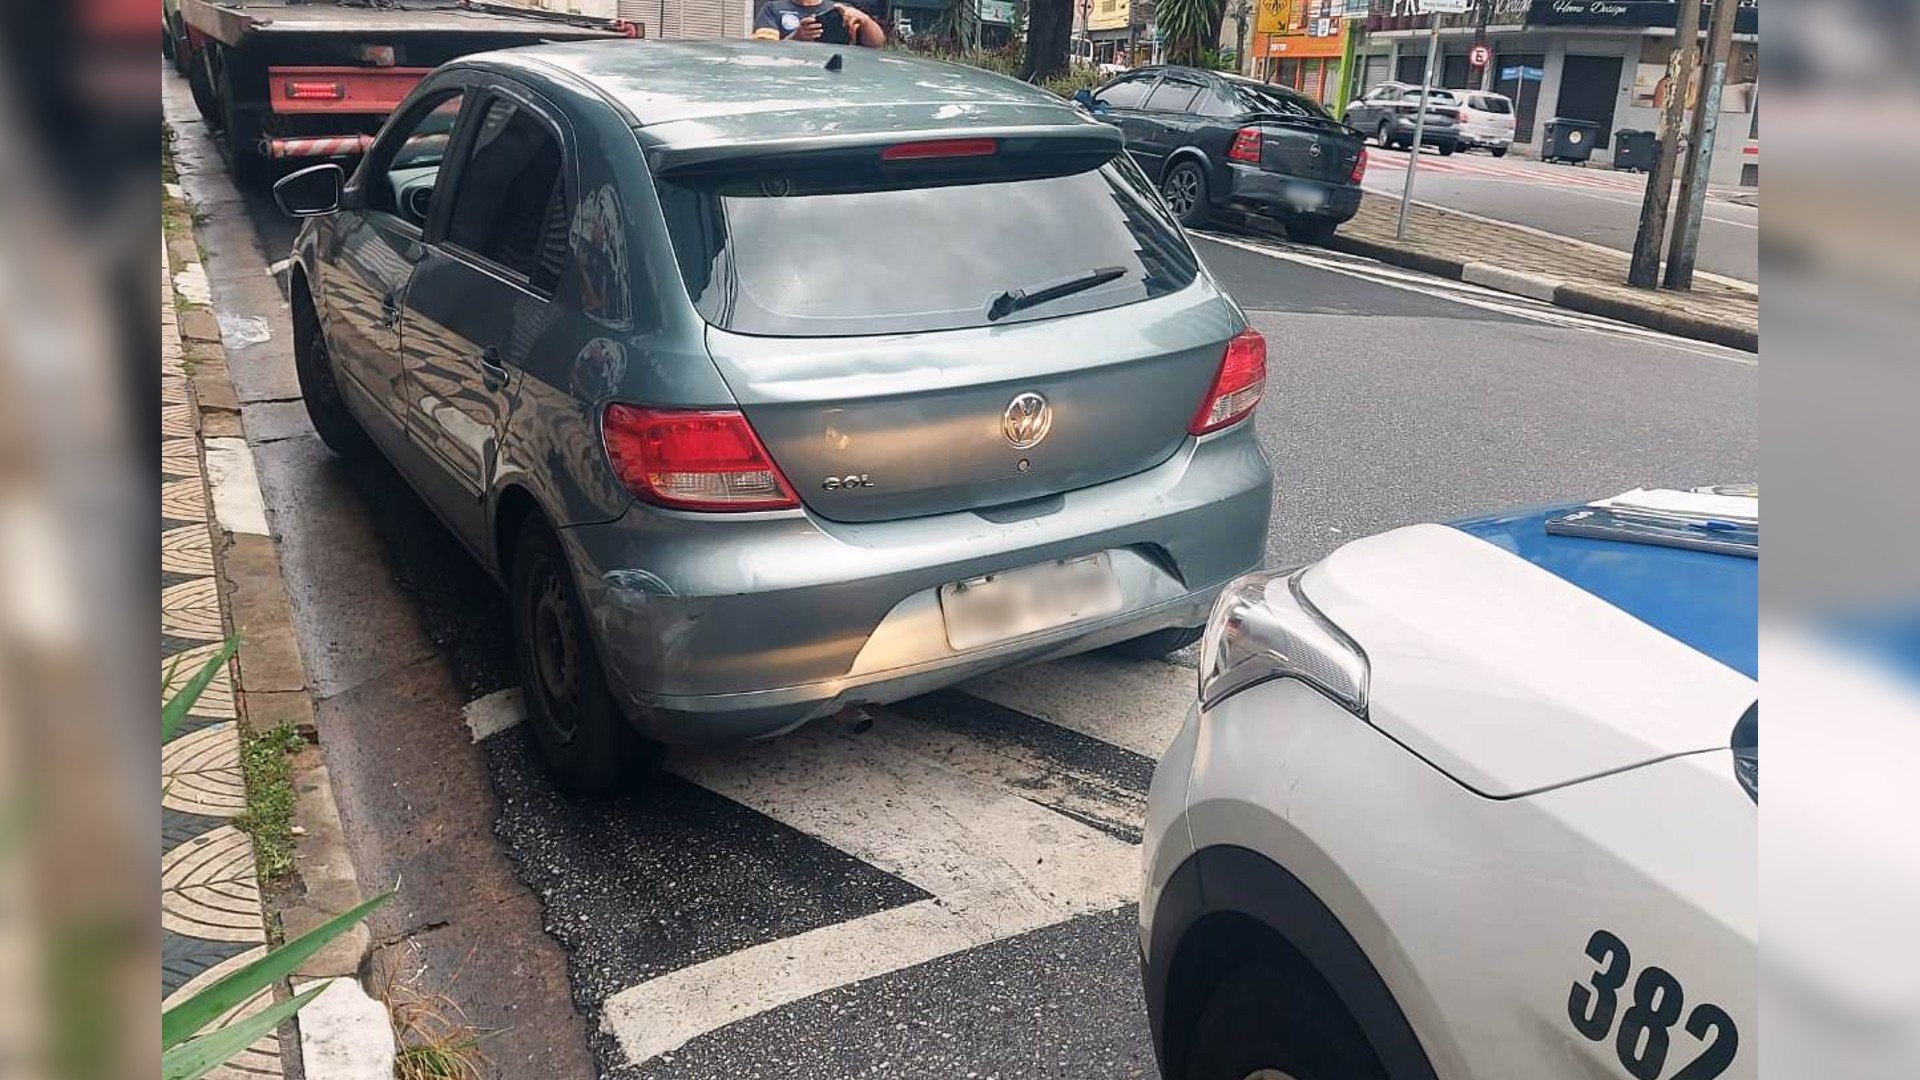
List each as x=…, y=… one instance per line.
x=775, y=378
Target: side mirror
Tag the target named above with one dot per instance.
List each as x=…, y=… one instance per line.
x=310, y=192
x=1083, y=98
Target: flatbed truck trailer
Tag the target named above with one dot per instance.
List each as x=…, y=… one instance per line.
x=287, y=80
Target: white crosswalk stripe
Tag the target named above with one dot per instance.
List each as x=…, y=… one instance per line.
x=1465, y=293
x=1005, y=843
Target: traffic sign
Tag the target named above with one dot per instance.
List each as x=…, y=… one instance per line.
x=1479, y=55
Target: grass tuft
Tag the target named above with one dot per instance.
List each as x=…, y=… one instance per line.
x=268, y=818
x=434, y=1040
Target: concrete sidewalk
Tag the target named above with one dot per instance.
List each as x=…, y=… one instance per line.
x=1557, y=270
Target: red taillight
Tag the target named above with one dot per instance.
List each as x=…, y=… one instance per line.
x=693, y=460
x=940, y=148
x=316, y=91
x=1461, y=116
x=1246, y=146
x=1359, y=168
x=1236, y=386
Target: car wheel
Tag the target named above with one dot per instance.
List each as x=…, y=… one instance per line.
x=1447, y=148
x=1275, y=1023
x=587, y=742
x=1498, y=151
x=1185, y=189
x=1310, y=230
x=1385, y=135
x=313, y=365
x=1158, y=644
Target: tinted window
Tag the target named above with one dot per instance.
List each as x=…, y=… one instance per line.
x=1173, y=96
x=1261, y=97
x=510, y=205
x=1386, y=93
x=416, y=161
x=1127, y=93
x=762, y=256
x=1497, y=105
x=1219, y=101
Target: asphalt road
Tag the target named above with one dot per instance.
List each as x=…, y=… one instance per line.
x=945, y=889
x=1591, y=203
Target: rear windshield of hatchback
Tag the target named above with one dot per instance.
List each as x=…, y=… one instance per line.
x=763, y=255
x=1484, y=103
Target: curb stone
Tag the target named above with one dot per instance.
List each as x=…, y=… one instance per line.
x=270, y=689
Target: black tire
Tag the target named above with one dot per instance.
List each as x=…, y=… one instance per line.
x=240, y=135
x=313, y=364
x=1447, y=149
x=1310, y=230
x=1498, y=151
x=1157, y=644
x=200, y=81
x=1385, y=135
x=587, y=742
x=1286, y=1020
x=1185, y=189
x=167, y=50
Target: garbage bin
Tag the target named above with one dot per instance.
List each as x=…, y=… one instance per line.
x=1568, y=139
x=1635, y=149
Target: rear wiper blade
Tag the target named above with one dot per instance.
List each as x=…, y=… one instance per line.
x=1020, y=299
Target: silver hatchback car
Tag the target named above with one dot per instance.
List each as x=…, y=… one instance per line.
x=774, y=378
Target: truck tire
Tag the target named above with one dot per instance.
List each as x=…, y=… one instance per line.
x=239, y=132
x=200, y=81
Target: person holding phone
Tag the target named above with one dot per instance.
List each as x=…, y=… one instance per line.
x=818, y=20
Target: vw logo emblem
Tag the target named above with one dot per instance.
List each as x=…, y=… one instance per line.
x=1028, y=419
x=1313, y=149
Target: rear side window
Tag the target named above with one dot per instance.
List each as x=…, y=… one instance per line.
x=762, y=255
x=509, y=205
x=1278, y=99
x=1497, y=105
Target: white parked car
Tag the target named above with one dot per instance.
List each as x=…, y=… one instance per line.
x=1477, y=800
x=1486, y=121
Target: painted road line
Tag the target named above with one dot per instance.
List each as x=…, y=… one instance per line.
x=496, y=712
x=996, y=864
x=1488, y=300
x=1137, y=705
x=237, y=504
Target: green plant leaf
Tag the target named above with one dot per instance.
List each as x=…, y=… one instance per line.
x=183, y=1020
x=175, y=710
x=194, y=1059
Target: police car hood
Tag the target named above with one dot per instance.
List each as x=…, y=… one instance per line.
x=1516, y=666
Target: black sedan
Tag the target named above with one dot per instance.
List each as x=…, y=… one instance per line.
x=1214, y=141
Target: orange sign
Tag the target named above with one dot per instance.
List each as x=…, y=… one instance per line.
x=1302, y=45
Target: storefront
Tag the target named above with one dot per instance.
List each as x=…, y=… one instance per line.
x=1299, y=43
x=1603, y=61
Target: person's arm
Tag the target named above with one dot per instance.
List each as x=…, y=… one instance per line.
x=864, y=29
x=766, y=26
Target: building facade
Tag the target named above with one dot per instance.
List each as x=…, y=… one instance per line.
x=1603, y=61
x=1299, y=43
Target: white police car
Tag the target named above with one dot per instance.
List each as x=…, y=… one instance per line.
x=1477, y=800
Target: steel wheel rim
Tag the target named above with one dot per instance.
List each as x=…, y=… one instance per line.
x=555, y=646
x=1182, y=190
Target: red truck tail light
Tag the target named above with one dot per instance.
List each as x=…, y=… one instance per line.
x=1359, y=172
x=705, y=459
x=1246, y=146
x=315, y=91
x=1237, y=386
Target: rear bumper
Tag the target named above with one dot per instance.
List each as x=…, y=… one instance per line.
x=1280, y=195
x=1432, y=135
x=1485, y=139
x=719, y=630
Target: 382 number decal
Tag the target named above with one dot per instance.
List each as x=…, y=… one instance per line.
x=1653, y=1006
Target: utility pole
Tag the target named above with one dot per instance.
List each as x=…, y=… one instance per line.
x=1483, y=10
x=1350, y=39
x=1706, y=122
x=1644, y=271
x=1242, y=11
x=1434, y=7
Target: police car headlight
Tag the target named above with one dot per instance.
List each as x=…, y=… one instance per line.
x=1263, y=628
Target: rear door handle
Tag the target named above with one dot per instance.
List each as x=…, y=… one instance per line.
x=493, y=374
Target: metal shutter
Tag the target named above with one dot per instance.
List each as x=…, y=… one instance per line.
x=693, y=19
x=733, y=18
x=1374, y=73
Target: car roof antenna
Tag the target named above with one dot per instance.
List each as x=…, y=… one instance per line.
x=835, y=63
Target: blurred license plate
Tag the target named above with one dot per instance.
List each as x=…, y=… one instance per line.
x=1306, y=197
x=993, y=608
